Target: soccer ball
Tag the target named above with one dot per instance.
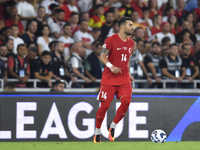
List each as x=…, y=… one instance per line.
x=158, y=136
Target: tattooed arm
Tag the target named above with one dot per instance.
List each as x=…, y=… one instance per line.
x=105, y=61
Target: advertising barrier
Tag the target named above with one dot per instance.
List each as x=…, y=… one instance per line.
x=72, y=118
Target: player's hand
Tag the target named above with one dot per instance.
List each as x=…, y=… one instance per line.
x=115, y=70
x=158, y=79
x=190, y=78
x=131, y=78
x=149, y=80
x=93, y=79
x=87, y=80
x=179, y=79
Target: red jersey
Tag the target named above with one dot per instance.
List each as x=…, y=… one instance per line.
x=119, y=56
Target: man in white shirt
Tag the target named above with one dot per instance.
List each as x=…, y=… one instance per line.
x=85, y=5
x=16, y=39
x=72, y=6
x=66, y=39
x=85, y=37
x=57, y=24
x=165, y=32
x=25, y=11
x=46, y=4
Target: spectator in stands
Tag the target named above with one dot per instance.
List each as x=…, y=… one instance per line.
x=86, y=16
x=72, y=7
x=9, y=87
x=25, y=11
x=18, y=66
x=191, y=5
x=10, y=46
x=126, y=9
x=32, y=58
x=166, y=41
x=165, y=32
x=74, y=22
x=189, y=17
x=14, y=19
x=107, y=25
x=93, y=66
x=114, y=29
x=40, y=20
x=58, y=86
x=153, y=8
x=192, y=69
x=172, y=67
x=52, y=8
x=57, y=24
x=43, y=69
x=29, y=36
x=76, y=68
x=44, y=40
x=164, y=52
x=98, y=19
x=3, y=54
x=67, y=40
x=197, y=31
x=65, y=8
x=85, y=37
x=157, y=21
x=52, y=46
x=175, y=28
x=6, y=32
x=3, y=71
x=186, y=39
x=197, y=12
x=14, y=35
x=58, y=63
x=139, y=33
x=180, y=9
x=185, y=25
x=46, y=4
x=96, y=32
x=145, y=20
x=151, y=62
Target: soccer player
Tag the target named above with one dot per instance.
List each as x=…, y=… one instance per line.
x=116, y=78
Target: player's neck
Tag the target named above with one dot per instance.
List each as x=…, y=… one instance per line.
x=122, y=36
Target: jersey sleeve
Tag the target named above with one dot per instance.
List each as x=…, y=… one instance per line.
x=108, y=44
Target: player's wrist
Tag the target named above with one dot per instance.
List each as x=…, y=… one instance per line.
x=109, y=65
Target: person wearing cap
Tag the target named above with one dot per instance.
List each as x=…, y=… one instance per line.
x=58, y=86
x=43, y=69
x=165, y=32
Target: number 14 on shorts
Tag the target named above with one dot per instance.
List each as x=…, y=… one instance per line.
x=104, y=95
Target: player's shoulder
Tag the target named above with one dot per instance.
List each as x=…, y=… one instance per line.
x=130, y=40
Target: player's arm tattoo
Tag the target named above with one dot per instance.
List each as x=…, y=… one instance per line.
x=105, y=51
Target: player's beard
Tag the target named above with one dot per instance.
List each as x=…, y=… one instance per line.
x=127, y=32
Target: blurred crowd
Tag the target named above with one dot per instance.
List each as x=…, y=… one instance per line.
x=62, y=40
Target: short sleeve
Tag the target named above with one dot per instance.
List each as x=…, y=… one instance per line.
x=108, y=43
x=87, y=65
x=77, y=37
x=10, y=62
x=74, y=62
x=147, y=60
x=50, y=68
x=163, y=64
x=36, y=67
x=39, y=40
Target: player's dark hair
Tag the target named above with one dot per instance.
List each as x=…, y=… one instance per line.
x=185, y=44
x=156, y=43
x=123, y=20
x=173, y=44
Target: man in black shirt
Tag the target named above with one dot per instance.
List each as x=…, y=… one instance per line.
x=43, y=69
x=59, y=68
x=191, y=65
x=172, y=67
x=109, y=16
x=151, y=62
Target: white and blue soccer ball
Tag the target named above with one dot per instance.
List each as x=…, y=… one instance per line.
x=158, y=136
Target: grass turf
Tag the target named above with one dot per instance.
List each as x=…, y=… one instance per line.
x=102, y=146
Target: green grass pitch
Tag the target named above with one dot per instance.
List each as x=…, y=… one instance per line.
x=101, y=146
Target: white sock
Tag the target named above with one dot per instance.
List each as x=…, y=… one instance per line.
x=113, y=125
x=97, y=131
